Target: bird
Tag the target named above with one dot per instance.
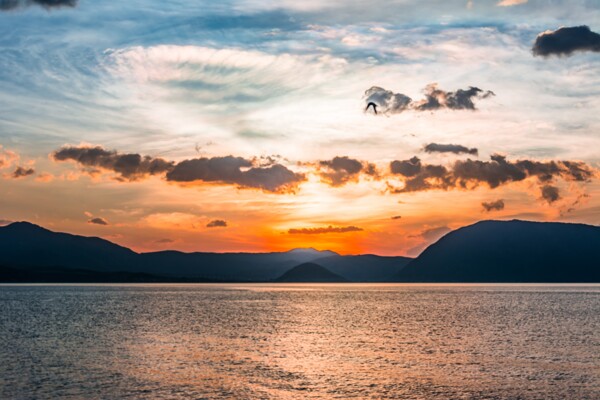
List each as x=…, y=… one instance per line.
x=374, y=107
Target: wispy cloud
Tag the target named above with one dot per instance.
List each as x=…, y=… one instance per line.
x=324, y=230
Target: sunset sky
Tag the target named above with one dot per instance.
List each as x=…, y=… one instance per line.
x=242, y=125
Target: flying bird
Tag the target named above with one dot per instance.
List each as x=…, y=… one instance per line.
x=374, y=107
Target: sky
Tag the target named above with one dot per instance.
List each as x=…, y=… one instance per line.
x=247, y=125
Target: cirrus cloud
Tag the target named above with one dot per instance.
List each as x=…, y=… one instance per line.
x=324, y=230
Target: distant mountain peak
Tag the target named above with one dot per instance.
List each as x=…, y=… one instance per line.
x=23, y=225
x=310, y=272
x=310, y=250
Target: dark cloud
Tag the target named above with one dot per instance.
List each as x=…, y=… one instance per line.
x=98, y=221
x=566, y=41
x=468, y=174
x=449, y=148
x=21, y=172
x=388, y=102
x=238, y=171
x=419, y=176
x=341, y=170
x=216, y=223
x=462, y=99
x=397, y=217
x=550, y=193
x=130, y=166
x=406, y=167
x=48, y=4
x=328, y=229
x=496, y=205
x=5, y=222
x=229, y=170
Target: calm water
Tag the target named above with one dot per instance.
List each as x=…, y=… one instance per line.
x=300, y=341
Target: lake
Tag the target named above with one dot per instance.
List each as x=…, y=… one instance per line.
x=296, y=341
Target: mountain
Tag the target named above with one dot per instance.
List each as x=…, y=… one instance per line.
x=510, y=251
x=225, y=266
x=37, y=252
x=364, y=268
x=23, y=244
x=310, y=272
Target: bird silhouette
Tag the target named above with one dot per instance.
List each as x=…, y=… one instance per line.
x=374, y=107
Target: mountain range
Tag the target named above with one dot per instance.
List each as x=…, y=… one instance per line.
x=488, y=251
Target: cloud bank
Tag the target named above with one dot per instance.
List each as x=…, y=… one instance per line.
x=237, y=171
x=129, y=166
x=225, y=170
x=469, y=174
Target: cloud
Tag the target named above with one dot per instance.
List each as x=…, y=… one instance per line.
x=48, y=4
x=164, y=241
x=397, y=217
x=566, y=41
x=388, y=102
x=227, y=170
x=7, y=157
x=496, y=205
x=433, y=233
x=45, y=177
x=509, y=3
x=98, y=221
x=129, y=167
x=449, y=148
x=22, y=172
x=468, y=174
x=341, y=170
x=328, y=229
x=550, y=193
x=238, y=171
x=217, y=223
x=4, y=222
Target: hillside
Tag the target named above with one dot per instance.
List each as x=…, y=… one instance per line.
x=510, y=251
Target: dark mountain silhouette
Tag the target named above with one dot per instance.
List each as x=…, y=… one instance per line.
x=23, y=244
x=489, y=251
x=310, y=272
x=36, y=252
x=364, y=268
x=510, y=251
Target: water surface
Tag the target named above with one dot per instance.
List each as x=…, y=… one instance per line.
x=300, y=341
